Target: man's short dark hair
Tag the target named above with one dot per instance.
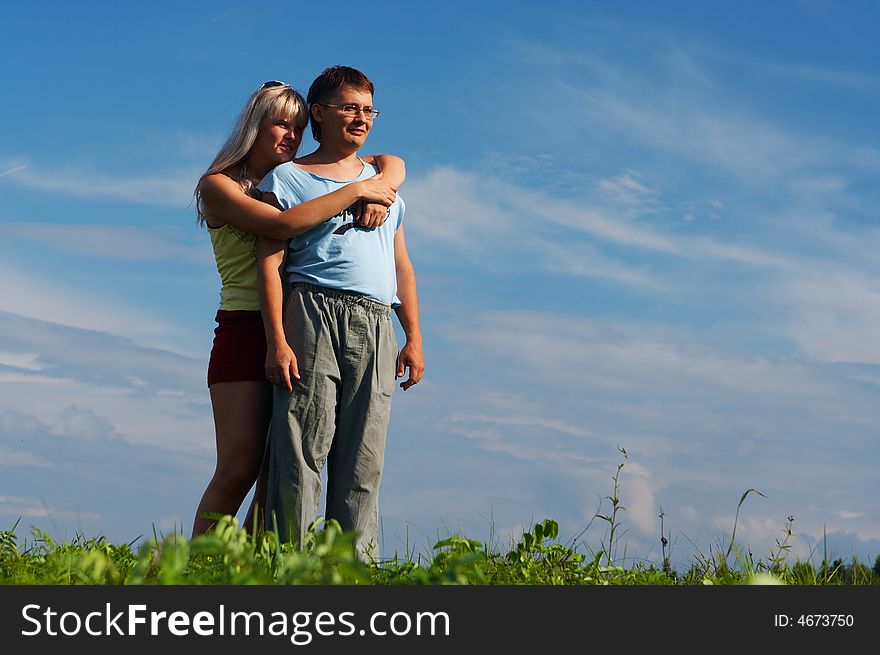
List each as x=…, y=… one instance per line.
x=328, y=83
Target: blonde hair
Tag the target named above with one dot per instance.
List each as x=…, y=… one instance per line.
x=275, y=101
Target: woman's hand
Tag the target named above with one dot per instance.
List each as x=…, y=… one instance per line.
x=281, y=366
x=376, y=190
x=376, y=196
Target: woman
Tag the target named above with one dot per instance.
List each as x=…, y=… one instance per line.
x=268, y=132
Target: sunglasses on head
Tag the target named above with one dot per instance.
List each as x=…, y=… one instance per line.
x=271, y=83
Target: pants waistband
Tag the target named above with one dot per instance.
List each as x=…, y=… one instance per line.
x=348, y=297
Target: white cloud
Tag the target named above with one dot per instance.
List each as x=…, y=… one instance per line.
x=15, y=422
x=12, y=171
x=639, y=496
x=465, y=212
x=627, y=191
x=689, y=512
x=829, y=316
x=836, y=316
x=27, y=361
x=551, y=424
x=226, y=14
x=758, y=534
x=99, y=386
x=124, y=242
x=695, y=117
x=699, y=422
x=33, y=508
x=79, y=423
x=584, y=260
x=31, y=379
x=9, y=457
x=824, y=76
x=28, y=293
x=497, y=441
x=620, y=355
x=171, y=188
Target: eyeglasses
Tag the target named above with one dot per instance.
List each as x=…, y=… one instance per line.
x=271, y=83
x=353, y=110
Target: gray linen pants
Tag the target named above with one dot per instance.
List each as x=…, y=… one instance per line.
x=338, y=412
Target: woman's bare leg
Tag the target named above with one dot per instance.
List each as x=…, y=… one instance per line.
x=242, y=411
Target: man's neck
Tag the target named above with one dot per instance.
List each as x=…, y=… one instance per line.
x=333, y=159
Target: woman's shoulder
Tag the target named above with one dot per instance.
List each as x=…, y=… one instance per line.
x=218, y=183
x=215, y=190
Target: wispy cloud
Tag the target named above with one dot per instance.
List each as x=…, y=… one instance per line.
x=802, y=275
x=464, y=212
x=640, y=356
x=9, y=457
x=467, y=210
x=226, y=14
x=626, y=190
x=126, y=242
x=746, y=146
x=695, y=117
x=825, y=76
x=13, y=170
x=27, y=361
x=38, y=508
x=693, y=417
x=551, y=424
x=173, y=188
x=62, y=302
x=836, y=315
x=584, y=260
x=94, y=385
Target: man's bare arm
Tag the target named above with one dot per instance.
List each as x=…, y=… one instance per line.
x=411, y=355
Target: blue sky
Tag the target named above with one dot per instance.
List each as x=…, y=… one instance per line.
x=647, y=225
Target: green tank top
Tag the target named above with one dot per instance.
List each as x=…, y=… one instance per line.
x=236, y=254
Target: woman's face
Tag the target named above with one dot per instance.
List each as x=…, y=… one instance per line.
x=277, y=140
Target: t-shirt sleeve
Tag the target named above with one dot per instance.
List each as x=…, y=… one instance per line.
x=400, y=212
x=282, y=182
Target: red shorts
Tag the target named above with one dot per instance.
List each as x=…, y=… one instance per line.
x=239, y=352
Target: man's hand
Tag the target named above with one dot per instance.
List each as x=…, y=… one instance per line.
x=281, y=366
x=411, y=357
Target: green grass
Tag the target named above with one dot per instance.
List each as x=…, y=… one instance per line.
x=229, y=555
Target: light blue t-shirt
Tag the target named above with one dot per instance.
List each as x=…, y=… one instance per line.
x=338, y=253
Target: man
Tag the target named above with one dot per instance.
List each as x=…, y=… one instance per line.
x=332, y=350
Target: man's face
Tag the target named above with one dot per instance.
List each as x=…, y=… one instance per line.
x=339, y=125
